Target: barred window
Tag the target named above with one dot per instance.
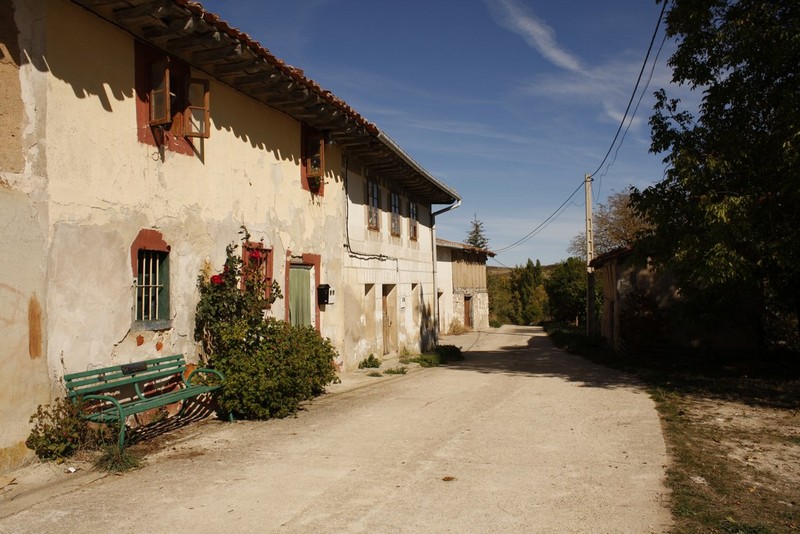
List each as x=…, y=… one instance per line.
x=152, y=286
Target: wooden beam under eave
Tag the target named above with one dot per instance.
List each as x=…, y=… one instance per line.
x=143, y=12
x=265, y=77
x=213, y=55
x=192, y=41
x=178, y=26
x=234, y=68
x=99, y=3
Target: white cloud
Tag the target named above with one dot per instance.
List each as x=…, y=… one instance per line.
x=515, y=17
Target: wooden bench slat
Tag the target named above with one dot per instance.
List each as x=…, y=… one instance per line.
x=176, y=358
x=86, y=387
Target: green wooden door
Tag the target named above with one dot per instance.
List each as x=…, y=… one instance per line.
x=300, y=295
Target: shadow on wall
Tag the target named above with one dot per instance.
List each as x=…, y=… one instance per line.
x=73, y=58
x=427, y=324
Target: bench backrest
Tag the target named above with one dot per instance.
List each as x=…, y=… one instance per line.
x=118, y=376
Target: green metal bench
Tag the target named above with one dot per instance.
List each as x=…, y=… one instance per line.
x=111, y=394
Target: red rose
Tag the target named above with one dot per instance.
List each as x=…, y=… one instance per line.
x=217, y=280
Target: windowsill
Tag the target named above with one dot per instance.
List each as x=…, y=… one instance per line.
x=152, y=325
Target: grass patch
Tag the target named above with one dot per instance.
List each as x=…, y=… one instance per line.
x=396, y=371
x=114, y=460
x=427, y=360
x=374, y=373
x=731, y=425
x=370, y=362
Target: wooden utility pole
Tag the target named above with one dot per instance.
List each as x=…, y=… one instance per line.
x=589, y=256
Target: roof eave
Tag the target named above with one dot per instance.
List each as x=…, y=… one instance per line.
x=186, y=30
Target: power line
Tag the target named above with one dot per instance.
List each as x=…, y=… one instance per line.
x=633, y=93
x=553, y=216
x=560, y=209
x=638, y=103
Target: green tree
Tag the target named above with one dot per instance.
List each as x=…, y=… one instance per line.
x=726, y=213
x=566, y=290
x=529, y=302
x=498, y=287
x=476, y=236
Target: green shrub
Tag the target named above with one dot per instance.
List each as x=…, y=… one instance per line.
x=396, y=371
x=288, y=365
x=58, y=430
x=270, y=366
x=495, y=323
x=370, y=362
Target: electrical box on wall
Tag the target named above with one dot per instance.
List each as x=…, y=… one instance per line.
x=325, y=294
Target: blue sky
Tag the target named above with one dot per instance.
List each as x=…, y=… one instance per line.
x=510, y=102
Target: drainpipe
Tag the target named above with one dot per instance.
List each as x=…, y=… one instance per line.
x=453, y=206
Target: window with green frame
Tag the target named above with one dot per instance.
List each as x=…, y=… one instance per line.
x=152, y=289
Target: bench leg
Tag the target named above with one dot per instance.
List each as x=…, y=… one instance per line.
x=121, y=441
x=183, y=407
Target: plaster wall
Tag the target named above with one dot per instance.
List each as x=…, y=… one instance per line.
x=444, y=284
x=380, y=259
x=23, y=223
x=85, y=186
x=105, y=186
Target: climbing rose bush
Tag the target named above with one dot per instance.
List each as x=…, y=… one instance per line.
x=270, y=366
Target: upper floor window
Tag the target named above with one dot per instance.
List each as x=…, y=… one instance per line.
x=373, y=208
x=394, y=199
x=412, y=220
x=313, y=156
x=172, y=107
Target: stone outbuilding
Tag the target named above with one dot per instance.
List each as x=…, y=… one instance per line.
x=461, y=283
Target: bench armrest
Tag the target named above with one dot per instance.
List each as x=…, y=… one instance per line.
x=188, y=379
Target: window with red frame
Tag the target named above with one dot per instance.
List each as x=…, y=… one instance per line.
x=313, y=156
x=257, y=267
x=171, y=105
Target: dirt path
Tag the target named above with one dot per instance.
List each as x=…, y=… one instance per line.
x=520, y=437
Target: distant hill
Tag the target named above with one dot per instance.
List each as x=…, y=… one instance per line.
x=492, y=270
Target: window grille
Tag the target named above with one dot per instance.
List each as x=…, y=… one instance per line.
x=152, y=286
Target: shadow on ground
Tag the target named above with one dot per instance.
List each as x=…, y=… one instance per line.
x=535, y=355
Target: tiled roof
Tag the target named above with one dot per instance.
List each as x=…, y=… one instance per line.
x=463, y=246
x=202, y=39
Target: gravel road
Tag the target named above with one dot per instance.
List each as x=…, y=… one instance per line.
x=519, y=437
